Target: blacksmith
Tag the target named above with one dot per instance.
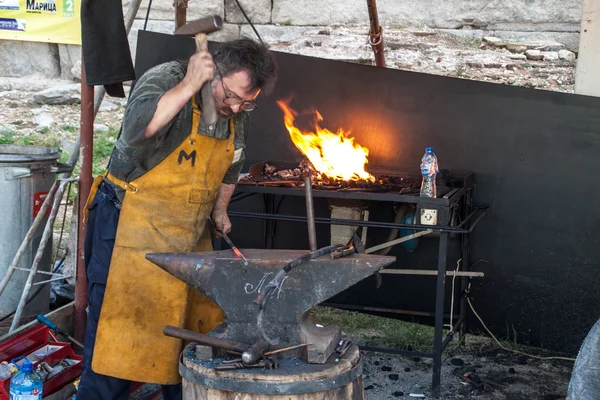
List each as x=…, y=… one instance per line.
x=168, y=173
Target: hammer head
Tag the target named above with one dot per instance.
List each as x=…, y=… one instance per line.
x=203, y=25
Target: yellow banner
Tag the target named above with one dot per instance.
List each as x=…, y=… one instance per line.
x=48, y=21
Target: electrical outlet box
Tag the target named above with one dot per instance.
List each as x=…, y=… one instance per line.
x=429, y=216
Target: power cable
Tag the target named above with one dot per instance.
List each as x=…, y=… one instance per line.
x=248, y=19
x=147, y=14
x=511, y=350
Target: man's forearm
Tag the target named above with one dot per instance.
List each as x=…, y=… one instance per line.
x=168, y=107
x=223, y=197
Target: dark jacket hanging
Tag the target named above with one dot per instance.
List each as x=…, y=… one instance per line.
x=105, y=49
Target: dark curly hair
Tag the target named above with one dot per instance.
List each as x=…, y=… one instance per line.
x=247, y=55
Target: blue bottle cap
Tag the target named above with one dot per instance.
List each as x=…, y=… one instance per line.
x=27, y=365
x=429, y=149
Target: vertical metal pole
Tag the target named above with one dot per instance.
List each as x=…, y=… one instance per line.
x=439, y=315
x=466, y=266
x=376, y=34
x=270, y=223
x=180, y=12
x=85, y=184
x=310, y=211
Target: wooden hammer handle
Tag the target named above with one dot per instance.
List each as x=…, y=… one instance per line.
x=209, y=111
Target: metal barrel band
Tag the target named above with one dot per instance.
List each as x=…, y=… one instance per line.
x=292, y=388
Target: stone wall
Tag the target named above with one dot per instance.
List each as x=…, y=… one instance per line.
x=285, y=20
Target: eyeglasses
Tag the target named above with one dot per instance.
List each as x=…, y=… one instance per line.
x=235, y=100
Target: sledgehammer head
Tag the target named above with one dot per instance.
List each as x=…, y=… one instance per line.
x=203, y=25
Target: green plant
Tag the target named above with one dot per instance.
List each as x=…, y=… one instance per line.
x=288, y=21
x=399, y=27
x=526, y=65
x=104, y=142
x=68, y=128
x=7, y=137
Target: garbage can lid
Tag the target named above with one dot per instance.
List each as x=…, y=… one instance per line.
x=18, y=153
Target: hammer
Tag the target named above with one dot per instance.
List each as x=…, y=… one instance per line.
x=199, y=29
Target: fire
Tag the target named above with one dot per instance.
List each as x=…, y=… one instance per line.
x=332, y=154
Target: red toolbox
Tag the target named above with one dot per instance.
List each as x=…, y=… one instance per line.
x=36, y=345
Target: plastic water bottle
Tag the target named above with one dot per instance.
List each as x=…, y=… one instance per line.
x=429, y=169
x=27, y=384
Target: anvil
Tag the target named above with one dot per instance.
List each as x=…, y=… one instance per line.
x=233, y=284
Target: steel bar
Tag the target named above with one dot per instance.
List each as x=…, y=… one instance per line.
x=466, y=266
x=60, y=278
x=351, y=222
x=41, y=272
x=203, y=339
x=398, y=241
x=408, y=353
x=376, y=34
x=310, y=212
x=426, y=272
x=28, y=237
x=39, y=254
x=85, y=184
x=379, y=309
x=439, y=314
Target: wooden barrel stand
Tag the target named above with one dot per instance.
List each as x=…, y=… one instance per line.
x=294, y=380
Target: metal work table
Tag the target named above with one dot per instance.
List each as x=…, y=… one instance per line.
x=459, y=198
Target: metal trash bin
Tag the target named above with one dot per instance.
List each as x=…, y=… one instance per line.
x=26, y=175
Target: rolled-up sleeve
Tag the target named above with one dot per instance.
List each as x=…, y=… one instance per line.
x=144, y=100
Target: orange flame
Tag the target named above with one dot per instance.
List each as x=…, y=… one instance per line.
x=332, y=154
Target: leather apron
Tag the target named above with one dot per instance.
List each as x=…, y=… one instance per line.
x=164, y=210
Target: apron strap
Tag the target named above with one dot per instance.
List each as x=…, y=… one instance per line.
x=122, y=184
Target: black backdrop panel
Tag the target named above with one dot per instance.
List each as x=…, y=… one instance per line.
x=535, y=156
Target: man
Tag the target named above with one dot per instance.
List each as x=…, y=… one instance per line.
x=168, y=173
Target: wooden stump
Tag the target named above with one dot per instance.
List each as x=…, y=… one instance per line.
x=294, y=380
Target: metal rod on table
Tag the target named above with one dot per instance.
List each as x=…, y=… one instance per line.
x=398, y=241
x=376, y=34
x=28, y=237
x=439, y=315
x=38, y=255
x=427, y=272
x=310, y=211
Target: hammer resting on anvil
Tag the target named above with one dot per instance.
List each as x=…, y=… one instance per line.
x=199, y=29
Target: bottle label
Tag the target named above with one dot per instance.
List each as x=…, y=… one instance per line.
x=16, y=394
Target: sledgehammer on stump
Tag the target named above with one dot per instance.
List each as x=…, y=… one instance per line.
x=199, y=29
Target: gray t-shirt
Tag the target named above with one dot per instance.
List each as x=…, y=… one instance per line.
x=135, y=155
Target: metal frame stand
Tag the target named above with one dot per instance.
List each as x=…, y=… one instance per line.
x=470, y=216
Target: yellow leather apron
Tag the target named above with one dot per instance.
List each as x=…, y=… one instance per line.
x=164, y=210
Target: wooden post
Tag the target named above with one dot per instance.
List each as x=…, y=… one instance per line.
x=587, y=77
x=180, y=12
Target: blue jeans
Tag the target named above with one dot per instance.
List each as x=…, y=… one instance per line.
x=99, y=242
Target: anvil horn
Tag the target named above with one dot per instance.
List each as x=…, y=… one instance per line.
x=195, y=269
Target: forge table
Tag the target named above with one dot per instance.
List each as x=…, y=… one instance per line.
x=456, y=197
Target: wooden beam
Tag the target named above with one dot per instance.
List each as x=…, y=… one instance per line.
x=587, y=77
